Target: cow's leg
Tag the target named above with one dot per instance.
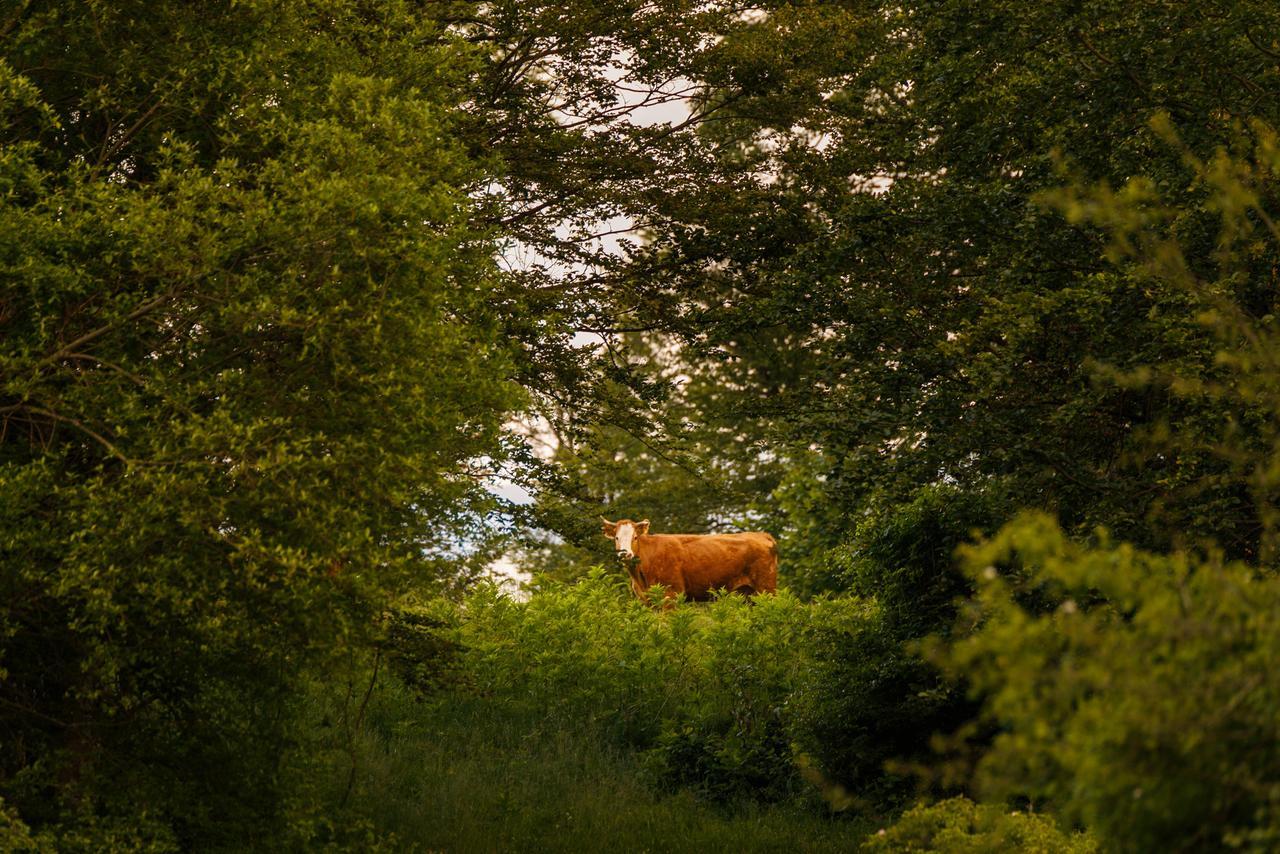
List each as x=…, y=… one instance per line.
x=670, y=598
x=671, y=593
x=638, y=585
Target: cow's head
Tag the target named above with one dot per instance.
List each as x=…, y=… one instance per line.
x=622, y=532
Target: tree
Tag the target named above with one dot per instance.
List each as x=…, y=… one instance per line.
x=1130, y=690
x=251, y=360
x=894, y=299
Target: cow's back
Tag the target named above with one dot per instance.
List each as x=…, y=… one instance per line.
x=697, y=564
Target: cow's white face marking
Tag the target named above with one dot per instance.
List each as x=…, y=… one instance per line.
x=622, y=539
x=623, y=533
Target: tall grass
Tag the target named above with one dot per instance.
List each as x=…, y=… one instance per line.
x=584, y=721
x=461, y=776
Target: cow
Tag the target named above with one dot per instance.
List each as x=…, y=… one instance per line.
x=695, y=565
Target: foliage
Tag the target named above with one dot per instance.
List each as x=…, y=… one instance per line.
x=592, y=114
x=1235, y=189
x=904, y=555
x=1131, y=691
x=419, y=648
x=472, y=774
x=958, y=825
x=14, y=833
x=870, y=707
x=893, y=306
x=722, y=698
x=237, y=249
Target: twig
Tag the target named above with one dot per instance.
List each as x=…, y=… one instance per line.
x=79, y=425
x=351, y=730
x=71, y=347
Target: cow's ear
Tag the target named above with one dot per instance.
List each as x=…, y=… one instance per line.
x=642, y=528
x=609, y=529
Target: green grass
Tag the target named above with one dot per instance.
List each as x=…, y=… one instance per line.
x=459, y=774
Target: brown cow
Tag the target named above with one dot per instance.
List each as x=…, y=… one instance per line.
x=695, y=564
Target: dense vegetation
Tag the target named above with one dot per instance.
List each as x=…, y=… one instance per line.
x=971, y=304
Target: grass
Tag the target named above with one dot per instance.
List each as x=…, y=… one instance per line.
x=460, y=774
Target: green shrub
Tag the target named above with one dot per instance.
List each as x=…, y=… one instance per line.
x=724, y=764
x=731, y=731
x=959, y=826
x=871, y=699
x=903, y=555
x=722, y=698
x=581, y=656
x=867, y=700
x=1133, y=693
x=14, y=834
x=422, y=646
x=143, y=833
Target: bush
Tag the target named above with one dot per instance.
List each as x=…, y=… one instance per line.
x=903, y=555
x=959, y=826
x=1133, y=693
x=872, y=700
x=723, y=764
x=422, y=647
x=722, y=698
x=14, y=833
x=868, y=700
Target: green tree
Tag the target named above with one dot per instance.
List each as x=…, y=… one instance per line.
x=1130, y=691
x=252, y=363
x=888, y=294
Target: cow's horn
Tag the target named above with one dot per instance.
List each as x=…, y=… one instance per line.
x=606, y=521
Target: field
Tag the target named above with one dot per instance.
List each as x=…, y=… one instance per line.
x=468, y=779
x=583, y=721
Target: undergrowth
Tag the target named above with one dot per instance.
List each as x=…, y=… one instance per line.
x=584, y=720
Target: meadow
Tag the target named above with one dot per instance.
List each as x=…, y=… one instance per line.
x=585, y=720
